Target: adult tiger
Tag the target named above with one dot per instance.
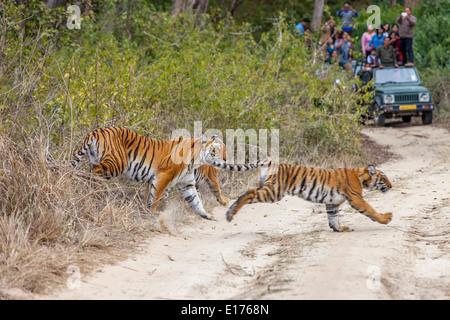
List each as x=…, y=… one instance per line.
x=209, y=173
x=163, y=164
x=331, y=187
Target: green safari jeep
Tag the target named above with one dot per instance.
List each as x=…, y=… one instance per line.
x=399, y=93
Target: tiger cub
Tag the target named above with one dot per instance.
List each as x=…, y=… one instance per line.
x=330, y=187
x=117, y=151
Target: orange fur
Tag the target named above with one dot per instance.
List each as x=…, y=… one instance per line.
x=117, y=151
x=210, y=174
x=330, y=187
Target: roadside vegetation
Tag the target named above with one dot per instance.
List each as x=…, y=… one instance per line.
x=152, y=73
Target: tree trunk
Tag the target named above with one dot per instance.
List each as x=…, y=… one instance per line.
x=234, y=5
x=393, y=3
x=199, y=6
x=411, y=3
x=180, y=6
x=317, y=16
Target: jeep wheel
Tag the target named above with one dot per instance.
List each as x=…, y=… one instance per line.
x=378, y=118
x=427, y=117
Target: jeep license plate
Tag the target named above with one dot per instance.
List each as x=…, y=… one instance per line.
x=408, y=107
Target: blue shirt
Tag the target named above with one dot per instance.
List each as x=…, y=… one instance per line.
x=347, y=19
x=344, y=51
x=376, y=41
x=300, y=28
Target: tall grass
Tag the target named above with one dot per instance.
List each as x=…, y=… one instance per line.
x=48, y=213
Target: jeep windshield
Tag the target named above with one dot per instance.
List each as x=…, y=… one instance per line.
x=395, y=75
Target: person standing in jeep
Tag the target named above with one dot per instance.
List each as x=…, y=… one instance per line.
x=406, y=31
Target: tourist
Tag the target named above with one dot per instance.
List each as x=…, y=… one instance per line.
x=330, y=49
x=406, y=31
x=371, y=59
x=385, y=56
x=344, y=50
x=365, y=40
x=377, y=39
x=303, y=25
x=346, y=14
x=328, y=31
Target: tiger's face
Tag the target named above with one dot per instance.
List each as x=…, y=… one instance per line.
x=214, y=150
x=377, y=180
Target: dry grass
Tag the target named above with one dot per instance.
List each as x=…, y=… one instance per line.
x=52, y=216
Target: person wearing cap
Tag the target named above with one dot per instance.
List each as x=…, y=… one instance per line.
x=303, y=25
x=328, y=31
x=365, y=40
x=346, y=14
x=406, y=31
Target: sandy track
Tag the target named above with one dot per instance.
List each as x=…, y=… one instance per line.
x=287, y=251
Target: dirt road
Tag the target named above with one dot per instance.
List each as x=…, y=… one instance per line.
x=287, y=251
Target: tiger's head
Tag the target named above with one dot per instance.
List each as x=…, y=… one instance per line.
x=374, y=179
x=213, y=149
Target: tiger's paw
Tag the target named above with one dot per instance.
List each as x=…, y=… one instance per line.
x=386, y=218
x=346, y=229
x=209, y=217
x=224, y=201
x=340, y=228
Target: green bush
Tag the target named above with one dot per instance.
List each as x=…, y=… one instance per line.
x=170, y=74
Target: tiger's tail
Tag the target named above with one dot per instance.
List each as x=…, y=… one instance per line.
x=244, y=167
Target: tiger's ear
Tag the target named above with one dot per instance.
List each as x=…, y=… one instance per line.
x=203, y=138
x=371, y=170
x=214, y=136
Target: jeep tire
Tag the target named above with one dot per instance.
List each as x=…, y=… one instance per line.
x=427, y=117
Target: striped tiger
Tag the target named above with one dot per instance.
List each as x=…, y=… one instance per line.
x=244, y=167
x=114, y=151
x=330, y=187
x=209, y=173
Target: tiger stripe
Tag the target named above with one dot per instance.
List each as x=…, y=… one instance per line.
x=114, y=151
x=209, y=173
x=330, y=187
